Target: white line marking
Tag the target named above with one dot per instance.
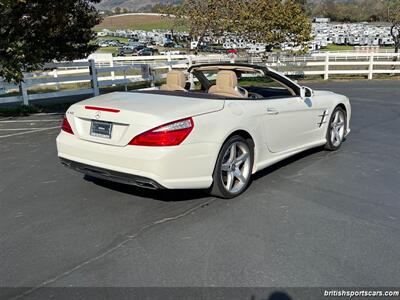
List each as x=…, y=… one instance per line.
x=32, y=131
x=30, y=121
x=19, y=129
x=49, y=114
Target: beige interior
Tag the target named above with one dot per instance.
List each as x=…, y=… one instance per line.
x=176, y=81
x=227, y=85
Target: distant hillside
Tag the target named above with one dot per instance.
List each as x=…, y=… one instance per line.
x=336, y=10
x=135, y=21
x=143, y=4
x=132, y=4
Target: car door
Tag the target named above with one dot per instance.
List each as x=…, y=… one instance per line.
x=290, y=122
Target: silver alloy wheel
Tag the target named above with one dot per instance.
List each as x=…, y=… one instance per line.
x=338, y=127
x=235, y=169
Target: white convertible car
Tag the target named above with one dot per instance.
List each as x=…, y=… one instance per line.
x=211, y=127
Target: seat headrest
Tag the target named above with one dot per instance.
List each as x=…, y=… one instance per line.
x=227, y=85
x=226, y=79
x=176, y=81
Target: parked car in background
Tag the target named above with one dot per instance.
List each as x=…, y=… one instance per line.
x=147, y=52
x=136, y=49
x=169, y=45
x=231, y=51
x=205, y=48
x=125, y=50
x=103, y=44
x=173, y=52
x=116, y=44
x=134, y=43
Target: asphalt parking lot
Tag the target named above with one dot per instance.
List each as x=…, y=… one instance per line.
x=318, y=219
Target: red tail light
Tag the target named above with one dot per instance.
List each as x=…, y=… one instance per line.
x=113, y=110
x=170, y=134
x=66, y=126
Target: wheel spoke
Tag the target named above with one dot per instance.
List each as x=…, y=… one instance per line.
x=225, y=167
x=241, y=178
x=229, y=181
x=333, y=136
x=241, y=159
x=336, y=119
x=339, y=124
x=232, y=154
x=337, y=135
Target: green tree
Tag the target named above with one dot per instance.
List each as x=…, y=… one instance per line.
x=303, y=4
x=273, y=22
x=204, y=16
x=264, y=21
x=117, y=10
x=33, y=32
x=394, y=18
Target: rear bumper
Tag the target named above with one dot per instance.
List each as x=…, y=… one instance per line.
x=187, y=166
x=110, y=175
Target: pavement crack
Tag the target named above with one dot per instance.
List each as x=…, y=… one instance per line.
x=114, y=248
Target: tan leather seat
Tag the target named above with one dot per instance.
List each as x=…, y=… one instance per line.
x=176, y=81
x=227, y=85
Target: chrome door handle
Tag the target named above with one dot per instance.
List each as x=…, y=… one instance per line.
x=272, y=111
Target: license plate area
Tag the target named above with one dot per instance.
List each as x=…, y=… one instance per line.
x=101, y=129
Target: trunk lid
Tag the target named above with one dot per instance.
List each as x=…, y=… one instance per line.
x=134, y=113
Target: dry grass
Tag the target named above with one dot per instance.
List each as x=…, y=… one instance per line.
x=135, y=22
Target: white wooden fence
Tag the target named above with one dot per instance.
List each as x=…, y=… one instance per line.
x=80, y=78
x=90, y=76
x=367, y=64
x=59, y=73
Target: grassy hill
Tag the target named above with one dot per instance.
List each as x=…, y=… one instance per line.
x=138, y=21
x=132, y=4
x=142, y=22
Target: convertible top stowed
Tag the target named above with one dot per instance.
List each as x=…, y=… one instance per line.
x=228, y=66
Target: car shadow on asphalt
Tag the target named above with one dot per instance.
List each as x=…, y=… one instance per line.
x=160, y=195
x=285, y=162
x=186, y=195
x=279, y=296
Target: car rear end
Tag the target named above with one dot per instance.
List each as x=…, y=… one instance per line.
x=140, y=139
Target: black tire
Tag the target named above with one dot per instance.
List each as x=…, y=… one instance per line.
x=218, y=188
x=331, y=145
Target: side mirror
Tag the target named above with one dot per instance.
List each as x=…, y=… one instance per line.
x=306, y=92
